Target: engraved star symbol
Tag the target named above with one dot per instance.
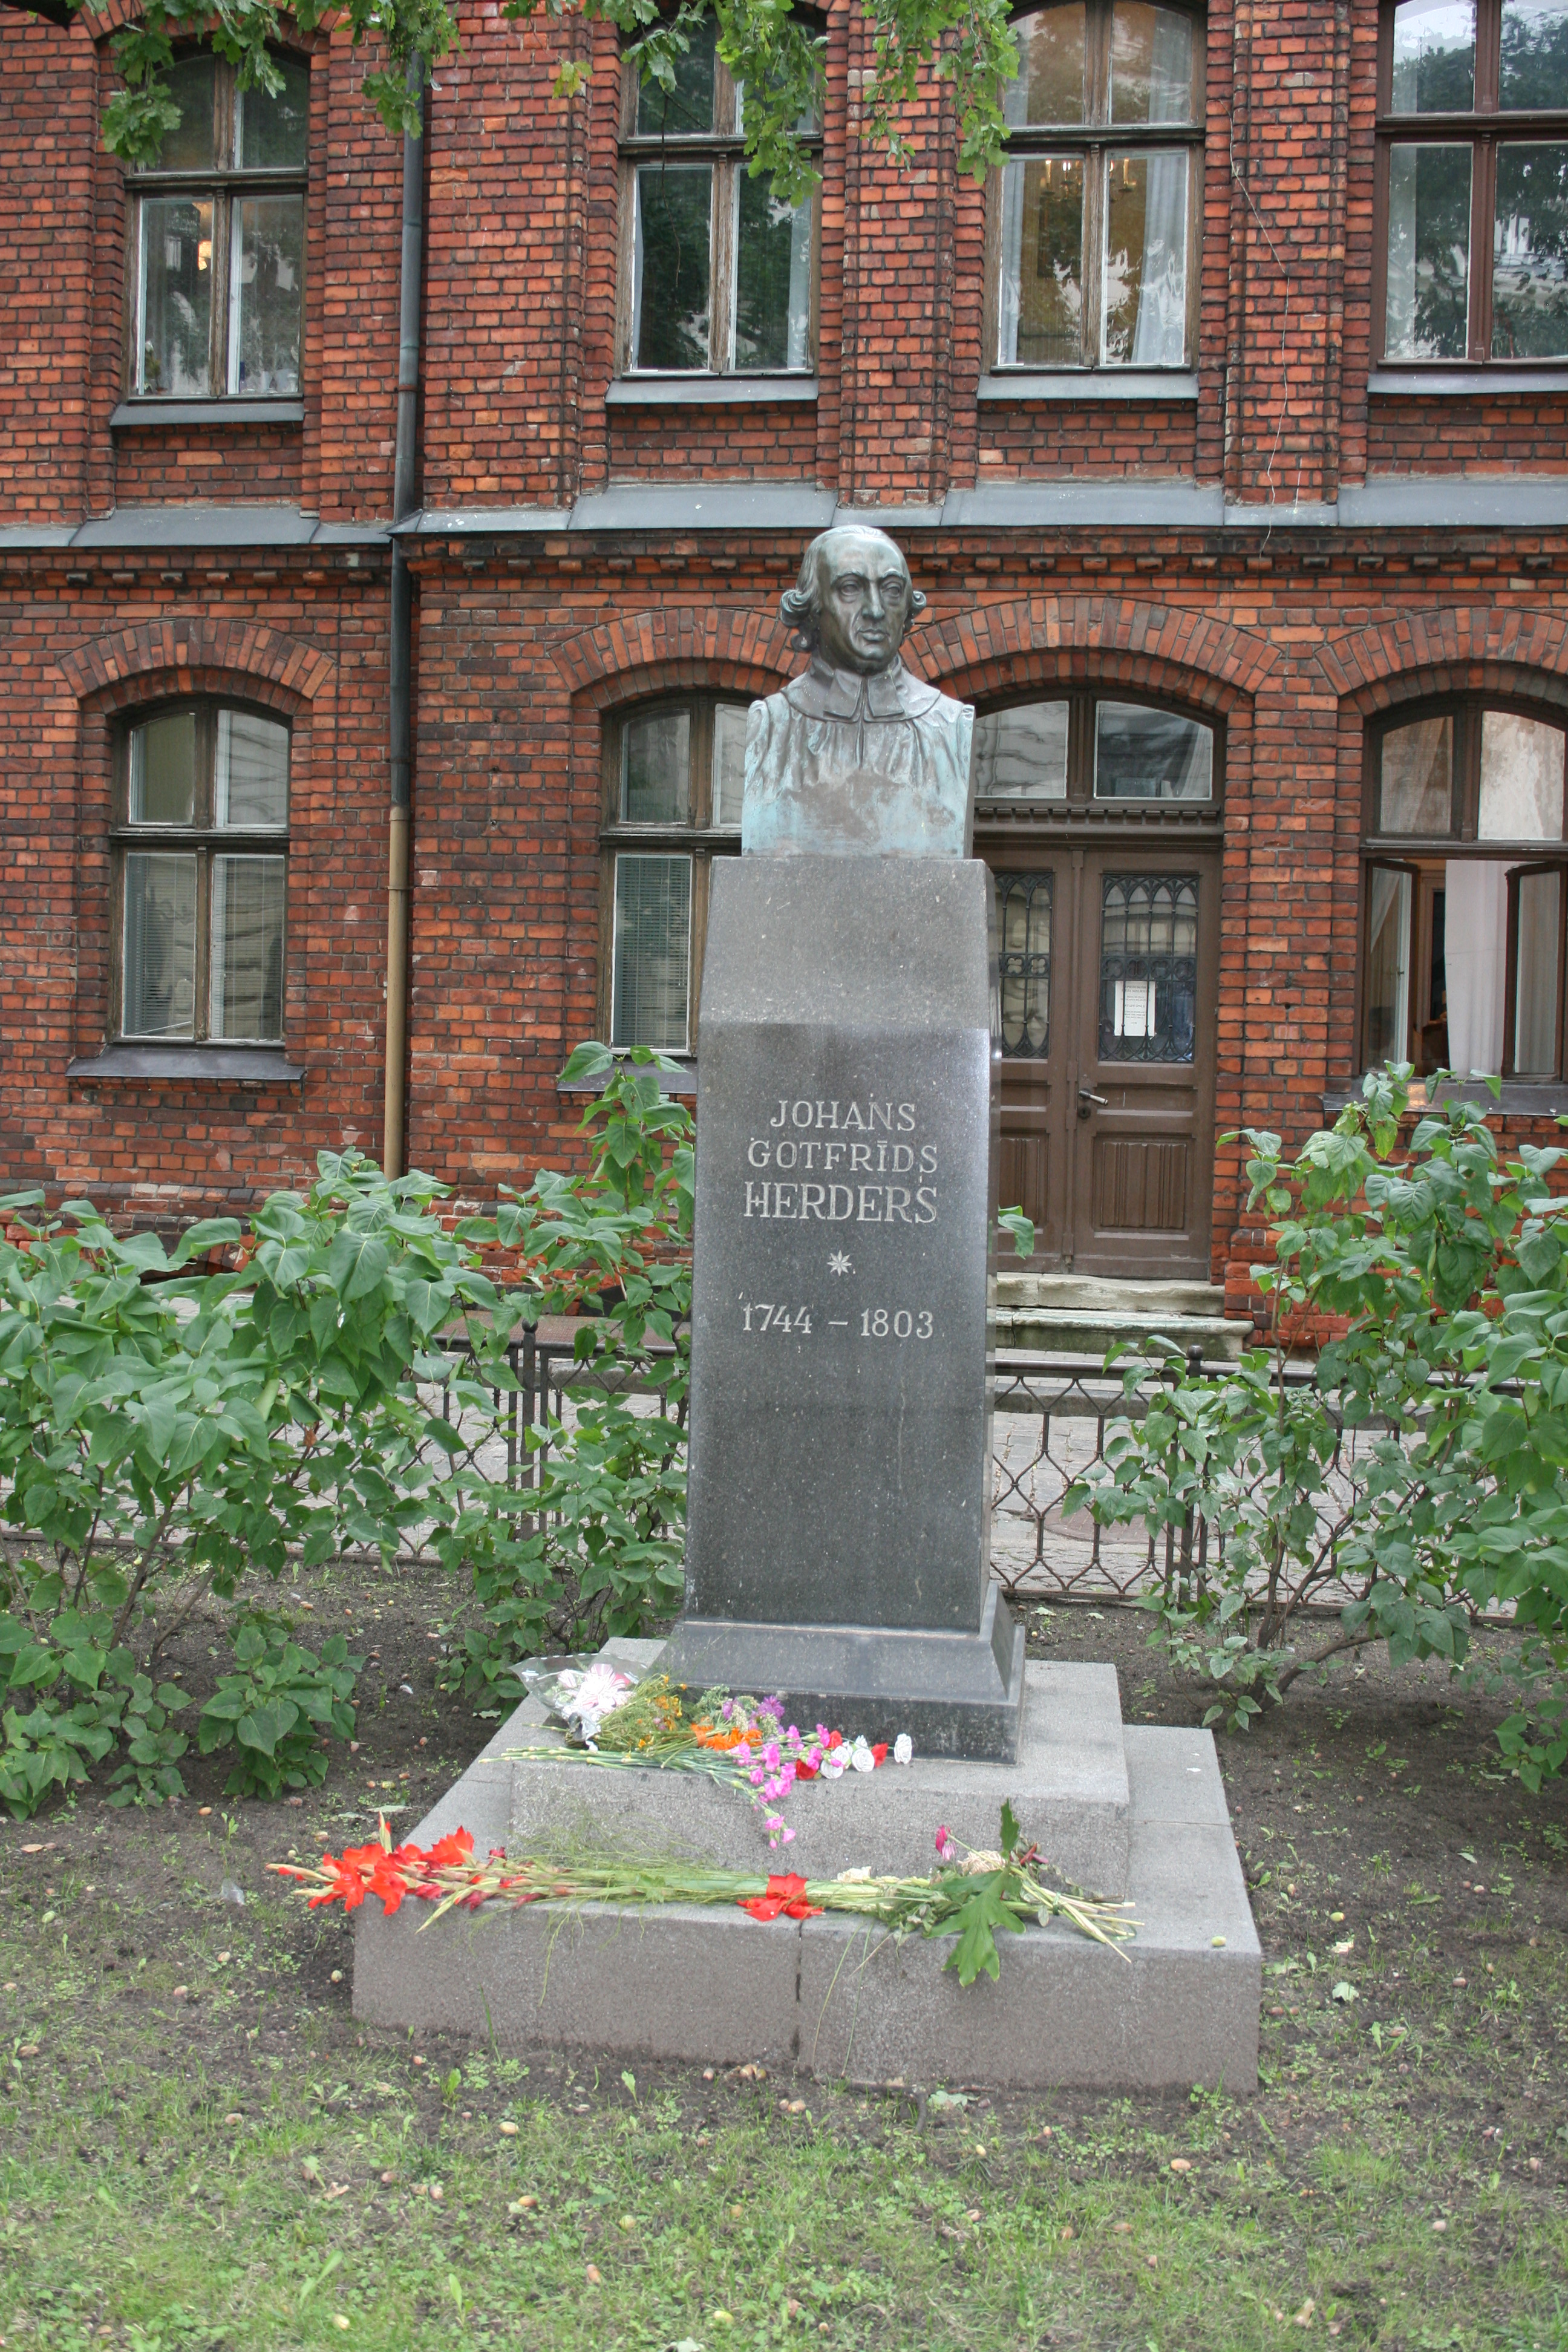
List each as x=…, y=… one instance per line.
x=839, y=1263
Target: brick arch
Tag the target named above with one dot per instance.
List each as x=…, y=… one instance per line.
x=1045, y=638
x=1459, y=647
x=196, y=657
x=684, y=645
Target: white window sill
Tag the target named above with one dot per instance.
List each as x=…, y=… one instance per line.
x=707, y=391
x=1171, y=385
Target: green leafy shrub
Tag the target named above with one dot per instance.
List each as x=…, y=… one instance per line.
x=74, y=1698
x=1442, y=1276
x=274, y=1707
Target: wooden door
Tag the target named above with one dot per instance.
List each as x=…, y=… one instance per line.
x=1109, y=960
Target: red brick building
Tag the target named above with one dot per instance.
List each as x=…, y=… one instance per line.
x=1226, y=431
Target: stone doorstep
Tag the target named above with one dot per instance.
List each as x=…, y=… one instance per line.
x=829, y=1996
x=1069, y=1791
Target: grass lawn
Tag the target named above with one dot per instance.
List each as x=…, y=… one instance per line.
x=201, y=2148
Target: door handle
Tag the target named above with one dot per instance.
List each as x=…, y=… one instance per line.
x=1088, y=1098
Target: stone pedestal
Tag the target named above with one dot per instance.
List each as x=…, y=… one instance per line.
x=1139, y=1811
x=838, y=1507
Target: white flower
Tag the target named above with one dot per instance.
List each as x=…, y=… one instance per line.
x=861, y=1758
x=597, y=1694
x=835, y=1764
x=903, y=1748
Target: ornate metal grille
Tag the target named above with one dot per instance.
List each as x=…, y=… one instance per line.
x=1148, y=967
x=1023, y=924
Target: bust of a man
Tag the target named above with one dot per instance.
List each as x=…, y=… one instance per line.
x=856, y=755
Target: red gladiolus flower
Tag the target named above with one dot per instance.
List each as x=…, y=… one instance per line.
x=785, y=1898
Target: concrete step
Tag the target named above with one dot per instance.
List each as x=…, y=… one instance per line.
x=1044, y=1331
x=1082, y=1315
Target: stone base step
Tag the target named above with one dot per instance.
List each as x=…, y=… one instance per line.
x=833, y=1997
x=1094, y=1296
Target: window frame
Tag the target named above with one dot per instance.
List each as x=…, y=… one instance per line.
x=1483, y=129
x=1417, y=855
x=200, y=838
x=1089, y=141
x=724, y=149
x=1079, y=806
x=223, y=182
x=697, y=837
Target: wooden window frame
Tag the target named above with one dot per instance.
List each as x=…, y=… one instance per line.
x=200, y=838
x=697, y=837
x=222, y=182
x=1422, y=855
x=1483, y=129
x=1090, y=142
x=1080, y=808
x=723, y=147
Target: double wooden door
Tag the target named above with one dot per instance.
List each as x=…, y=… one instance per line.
x=1110, y=961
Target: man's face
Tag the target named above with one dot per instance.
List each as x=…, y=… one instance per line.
x=864, y=589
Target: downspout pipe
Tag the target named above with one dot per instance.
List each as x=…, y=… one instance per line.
x=400, y=652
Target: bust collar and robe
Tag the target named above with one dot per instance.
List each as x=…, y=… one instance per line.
x=866, y=761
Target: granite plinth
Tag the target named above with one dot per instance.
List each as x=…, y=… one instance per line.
x=955, y=1694
x=1068, y=1788
x=839, y=1464
x=682, y=1985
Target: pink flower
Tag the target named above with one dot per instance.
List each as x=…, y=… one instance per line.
x=770, y=1755
x=741, y=1752
x=757, y=1776
x=946, y=1845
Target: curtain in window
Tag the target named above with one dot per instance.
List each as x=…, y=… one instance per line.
x=1475, y=956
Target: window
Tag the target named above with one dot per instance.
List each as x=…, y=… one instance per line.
x=217, y=240
x=721, y=276
x=1084, y=748
x=1462, y=892
x=1098, y=219
x=674, y=775
x=1473, y=181
x=201, y=846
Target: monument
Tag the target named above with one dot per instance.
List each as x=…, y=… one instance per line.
x=839, y=1467
x=838, y=1495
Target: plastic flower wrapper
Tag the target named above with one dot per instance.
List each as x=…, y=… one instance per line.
x=578, y=1692
x=903, y=1748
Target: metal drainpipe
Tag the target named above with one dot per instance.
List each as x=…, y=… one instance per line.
x=400, y=656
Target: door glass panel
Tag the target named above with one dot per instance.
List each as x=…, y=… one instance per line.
x=1475, y=961
x=248, y=947
x=653, y=952
x=1533, y=67
x=1150, y=755
x=159, y=945
x=1145, y=274
x=1535, y=987
x=1434, y=57
x=1148, y=967
x=250, y=779
x=1529, y=248
x=670, y=288
x=729, y=762
x=1387, y=1020
x=1522, y=778
x=1022, y=754
x=656, y=766
x=1151, y=64
x=1041, y=322
x=1417, y=773
x=1049, y=84
x=1426, y=316
x=164, y=769
x=1024, y=929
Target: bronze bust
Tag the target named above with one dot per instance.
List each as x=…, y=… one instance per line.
x=857, y=756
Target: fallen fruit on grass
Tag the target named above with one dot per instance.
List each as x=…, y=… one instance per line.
x=1181, y=2164
x=596, y=2277
x=508, y=2131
